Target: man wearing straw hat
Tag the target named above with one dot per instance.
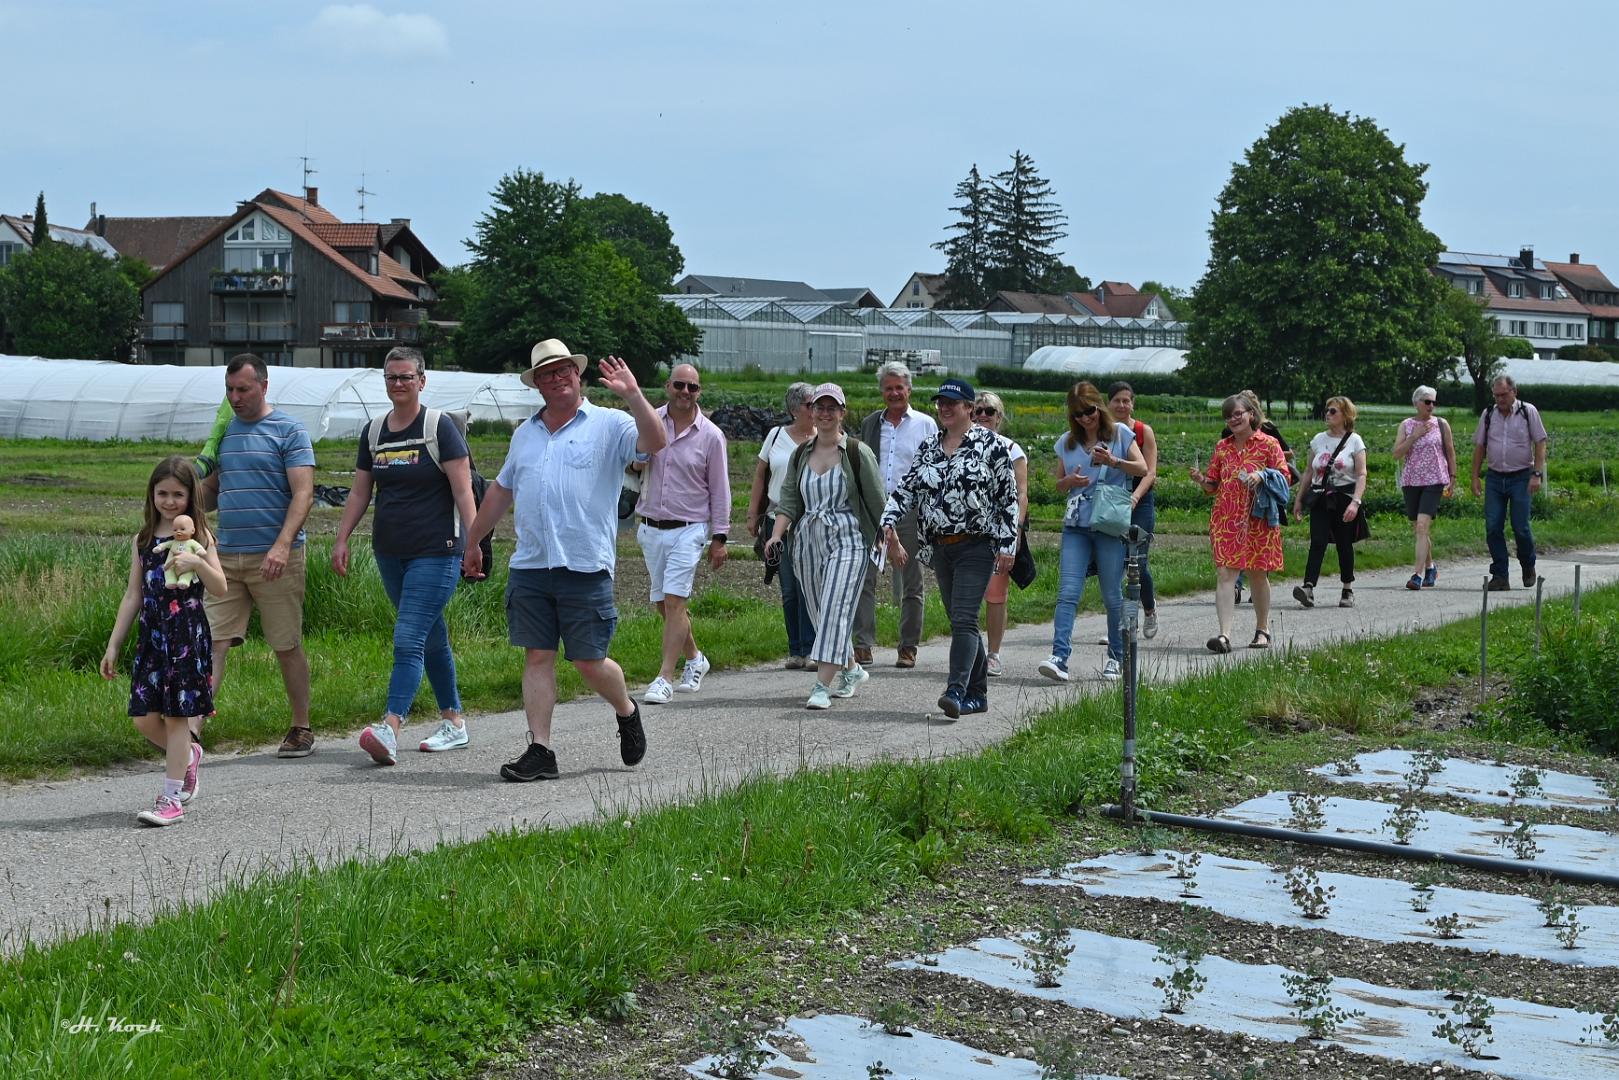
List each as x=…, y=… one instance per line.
x=562, y=475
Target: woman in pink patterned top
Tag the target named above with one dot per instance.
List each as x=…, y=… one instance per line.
x=1427, y=453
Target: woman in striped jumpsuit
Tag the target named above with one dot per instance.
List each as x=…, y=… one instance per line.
x=832, y=498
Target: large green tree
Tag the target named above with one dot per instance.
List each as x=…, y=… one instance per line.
x=68, y=302
x=966, y=250
x=1026, y=224
x=541, y=268
x=1318, y=278
x=640, y=234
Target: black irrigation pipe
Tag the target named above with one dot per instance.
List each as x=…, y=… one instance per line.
x=1373, y=847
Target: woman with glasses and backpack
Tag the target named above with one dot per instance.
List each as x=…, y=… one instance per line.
x=1332, y=488
x=423, y=480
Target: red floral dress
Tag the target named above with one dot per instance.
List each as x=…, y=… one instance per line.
x=1240, y=540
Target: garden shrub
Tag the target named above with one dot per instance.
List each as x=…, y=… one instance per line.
x=1573, y=684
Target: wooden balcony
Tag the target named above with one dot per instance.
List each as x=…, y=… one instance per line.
x=234, y=330
x=162, y=331
x=363, y=335
x=252, y=283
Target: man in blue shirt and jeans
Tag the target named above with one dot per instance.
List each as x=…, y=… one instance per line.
x=1511, y=438
x=562, y=473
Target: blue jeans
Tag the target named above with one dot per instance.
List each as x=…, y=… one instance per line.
x=419, y=590
x=1500, y=489
x=1078, y=547
x=794, y=605
x=1146, y=516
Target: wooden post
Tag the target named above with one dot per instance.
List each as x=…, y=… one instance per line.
x=1540, y=584
x=1483, y=640
x=1576, y=594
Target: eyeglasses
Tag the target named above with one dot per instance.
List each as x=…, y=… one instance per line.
x=1086, y=413
x=827, y=407
x=948, y=403
x=1332, y=410
x=400, y=378
x=985, y=410
x=559, y=373
x=676, y=384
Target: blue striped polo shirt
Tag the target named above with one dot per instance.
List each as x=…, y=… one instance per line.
x=253, y=491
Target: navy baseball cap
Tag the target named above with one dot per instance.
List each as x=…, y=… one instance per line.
x=956, y=390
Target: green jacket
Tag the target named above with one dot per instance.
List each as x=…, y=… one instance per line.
x=859, y=466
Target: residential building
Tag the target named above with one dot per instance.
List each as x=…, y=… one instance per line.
x=853, y=297
x=1590, y=286
x=285, y=278
x=921, y=291
x=156, y=241
x=1522, y=295
x=17, y=236
x=713, y=285
x=1109, y=300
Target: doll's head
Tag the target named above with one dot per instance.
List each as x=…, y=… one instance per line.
x=184, y=527
x=173, y=472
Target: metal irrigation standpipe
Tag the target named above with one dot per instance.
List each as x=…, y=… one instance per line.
x=1135, y=548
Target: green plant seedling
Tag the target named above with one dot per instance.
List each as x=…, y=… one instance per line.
x=734, y=1045
x=1313, y=899
x=1467, y=1024
x=1311, y=995
x=1182, y=951
x=1309, y=813
x=1046, y=957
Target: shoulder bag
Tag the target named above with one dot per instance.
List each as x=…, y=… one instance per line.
x=1319, y=489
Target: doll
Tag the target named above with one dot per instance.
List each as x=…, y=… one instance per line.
x=184, y=530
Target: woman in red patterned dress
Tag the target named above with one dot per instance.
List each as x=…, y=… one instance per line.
x=1240, y=540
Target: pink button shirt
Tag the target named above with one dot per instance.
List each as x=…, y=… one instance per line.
x=689, y=480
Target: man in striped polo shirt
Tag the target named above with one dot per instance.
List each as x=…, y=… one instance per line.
x=264, y=487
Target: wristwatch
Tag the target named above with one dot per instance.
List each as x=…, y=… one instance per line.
x=1538, y=475
x=720, y=538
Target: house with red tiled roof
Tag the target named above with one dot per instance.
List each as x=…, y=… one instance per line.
x=1590, y=286
x=1109, y=300
x=921, y=290
x=1522, y=295
x=285, y=278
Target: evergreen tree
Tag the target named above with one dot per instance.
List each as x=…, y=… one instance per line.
x=42, y=228
x=1026, y=224
x=967, y=252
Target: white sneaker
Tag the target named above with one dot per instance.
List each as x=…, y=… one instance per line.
x=848, y=679
x=1110, y=670
x=1054, y=669
x=1149, y=625
x=994, y=665
x=447, y=737
x=691, y=678
x=659, y=693
x=379, y=741
x=820, y=697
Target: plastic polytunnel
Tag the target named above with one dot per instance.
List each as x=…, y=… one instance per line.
x=1084, y=360
x=98, y=400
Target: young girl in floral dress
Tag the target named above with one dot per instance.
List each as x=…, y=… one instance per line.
x=174, y=649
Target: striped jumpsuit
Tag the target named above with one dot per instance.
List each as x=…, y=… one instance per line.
x=829, y=558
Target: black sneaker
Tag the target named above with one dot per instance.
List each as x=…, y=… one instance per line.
x=631, y=737
x=537, y=763
x=1529, y=576
x=1498, y=584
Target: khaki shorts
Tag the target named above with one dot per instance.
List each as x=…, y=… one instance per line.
x=280, y=602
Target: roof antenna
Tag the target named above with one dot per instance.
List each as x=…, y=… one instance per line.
x=362, y=193
x=304, y=194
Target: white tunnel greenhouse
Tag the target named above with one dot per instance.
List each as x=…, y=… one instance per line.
x=97, y=400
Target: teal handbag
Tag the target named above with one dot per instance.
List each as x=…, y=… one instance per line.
x=1110, y=508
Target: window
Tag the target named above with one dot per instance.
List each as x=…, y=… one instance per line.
x=168, y=322
x=1517, y=327
x=1547, y=291
x=916, y=288
x=352, y=311
x=1576, y=330
x=348, y=359
x=1475, y=286
x=1515, y=289
x=1540, y=329
x=7, y=250
x=258, y=244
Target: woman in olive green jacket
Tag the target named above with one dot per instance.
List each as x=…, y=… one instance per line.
x=832, y=498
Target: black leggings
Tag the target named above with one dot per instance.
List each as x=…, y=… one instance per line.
x=1327, y=525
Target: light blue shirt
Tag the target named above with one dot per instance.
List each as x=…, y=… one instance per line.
x=1077, y=460
x=565, y=488
x=254, y=492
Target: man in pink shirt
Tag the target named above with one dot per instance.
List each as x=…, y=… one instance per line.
x=685, y=504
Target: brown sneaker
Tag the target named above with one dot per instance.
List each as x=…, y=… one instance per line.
x=907, y=656
x=300, y=742
x=862, y=656
x=1498, y=584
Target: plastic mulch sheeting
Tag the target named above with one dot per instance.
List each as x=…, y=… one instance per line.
x=1475, y=781
x=1378, y=909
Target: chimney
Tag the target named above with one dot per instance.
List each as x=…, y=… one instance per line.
x=101, y=225
x=1526, y=257
x=312, y=196
x=92, y=210
x=1574, y=257
x=405, y=221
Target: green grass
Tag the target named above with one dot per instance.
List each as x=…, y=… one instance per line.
x=436, y=964
x=67, y=510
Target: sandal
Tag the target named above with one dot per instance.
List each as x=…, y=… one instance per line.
x=1219, y=643
x=1256, y=643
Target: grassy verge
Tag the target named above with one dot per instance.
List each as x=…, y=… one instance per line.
x=433, y=964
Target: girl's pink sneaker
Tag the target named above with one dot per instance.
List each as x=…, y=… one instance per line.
x=188, y=787
x=166, y=811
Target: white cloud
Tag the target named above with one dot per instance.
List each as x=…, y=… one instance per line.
x=362, y=29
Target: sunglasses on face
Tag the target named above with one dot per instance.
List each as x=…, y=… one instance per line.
x=1332, y=410
x=1086, y=413
x=676, y=384
x=1426, y=401
x=984, y=410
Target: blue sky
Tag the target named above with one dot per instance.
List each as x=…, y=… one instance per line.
x=814, y=141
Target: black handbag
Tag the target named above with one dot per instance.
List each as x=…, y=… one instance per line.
x=1319, y=489
x=1023, y=568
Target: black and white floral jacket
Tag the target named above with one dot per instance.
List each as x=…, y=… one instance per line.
x=971, y=491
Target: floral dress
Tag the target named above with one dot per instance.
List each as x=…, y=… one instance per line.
x=1240, y=540
x=174, y=651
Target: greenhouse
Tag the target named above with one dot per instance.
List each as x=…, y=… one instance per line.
x=98, y=400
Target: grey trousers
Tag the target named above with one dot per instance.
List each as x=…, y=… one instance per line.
x=907, y=593
x=963, y=571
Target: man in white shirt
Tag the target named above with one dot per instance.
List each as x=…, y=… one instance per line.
x=562, y=475
x=894, y=433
